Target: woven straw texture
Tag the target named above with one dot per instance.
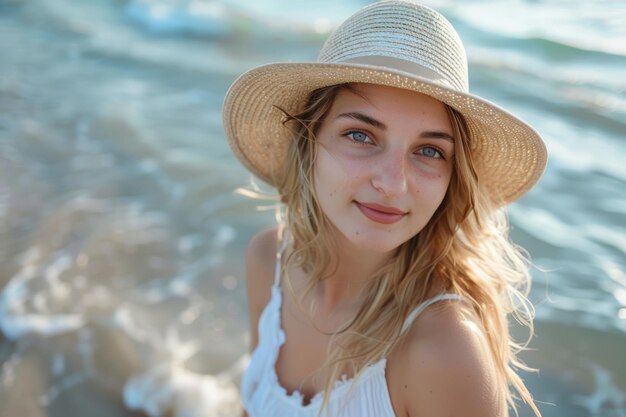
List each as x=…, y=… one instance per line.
x=392, y=43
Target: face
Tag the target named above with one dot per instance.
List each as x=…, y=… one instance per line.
x=384, y=161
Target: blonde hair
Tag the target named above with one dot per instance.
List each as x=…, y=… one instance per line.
x=465, y=243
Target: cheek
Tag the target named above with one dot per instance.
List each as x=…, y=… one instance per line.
x=323, y=184
x=334, y=172
x=432, y=188
x=439, y=188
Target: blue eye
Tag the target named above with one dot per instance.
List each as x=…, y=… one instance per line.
x=359, y=137
x=431, y=152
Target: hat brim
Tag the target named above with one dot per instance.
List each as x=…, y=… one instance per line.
x=509, y=155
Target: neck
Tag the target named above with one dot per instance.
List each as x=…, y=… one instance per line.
x=347, y=276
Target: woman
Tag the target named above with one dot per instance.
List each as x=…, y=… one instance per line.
x=386, y=287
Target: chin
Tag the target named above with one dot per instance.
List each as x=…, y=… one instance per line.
x=381, y=242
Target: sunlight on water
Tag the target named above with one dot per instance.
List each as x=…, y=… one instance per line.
x=122, y=241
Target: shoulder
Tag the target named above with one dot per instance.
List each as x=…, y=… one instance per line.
x=260, y=264
x=262, y=248
x=261, y=259
x=448, y=368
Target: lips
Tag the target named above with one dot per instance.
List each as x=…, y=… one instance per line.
x=379, y=213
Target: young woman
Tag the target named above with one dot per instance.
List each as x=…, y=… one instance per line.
x=386, y=288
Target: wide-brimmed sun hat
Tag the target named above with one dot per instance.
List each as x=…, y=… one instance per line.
x=392, y=43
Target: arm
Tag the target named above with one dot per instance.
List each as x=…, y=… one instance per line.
x=260, y=263
x=450, y=371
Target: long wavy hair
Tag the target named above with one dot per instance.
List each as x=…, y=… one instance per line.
x=465, y=243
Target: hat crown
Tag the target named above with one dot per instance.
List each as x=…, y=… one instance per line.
x=403, y=36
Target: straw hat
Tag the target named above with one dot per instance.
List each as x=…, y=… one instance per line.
x=392, y=43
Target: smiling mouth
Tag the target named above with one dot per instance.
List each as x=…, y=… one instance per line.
x=379, y=213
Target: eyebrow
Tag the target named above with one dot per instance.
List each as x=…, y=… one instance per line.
x=380, y=125
x=363, y=118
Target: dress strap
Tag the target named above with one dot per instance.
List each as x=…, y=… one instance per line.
x=422, y=306
x=284, y=240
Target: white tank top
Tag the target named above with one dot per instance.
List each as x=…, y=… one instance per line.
x=263, y=396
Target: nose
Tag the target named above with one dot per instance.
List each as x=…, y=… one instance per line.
x=390, y=174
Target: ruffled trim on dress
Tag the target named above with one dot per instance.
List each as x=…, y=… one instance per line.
x=271, y=338
x=263, y=395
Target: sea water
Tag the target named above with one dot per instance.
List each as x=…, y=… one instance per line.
x=122, y=244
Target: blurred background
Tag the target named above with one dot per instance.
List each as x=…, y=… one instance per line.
x=122, y=242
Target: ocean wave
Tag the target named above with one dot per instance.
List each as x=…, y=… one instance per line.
x=221, y=18
x=170, y=388
x=578, y=92
x=210, y=18
x=554, y=27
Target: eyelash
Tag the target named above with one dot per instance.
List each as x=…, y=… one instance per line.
x=439, y=151
x=352, y=132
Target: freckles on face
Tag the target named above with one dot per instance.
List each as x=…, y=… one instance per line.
x=383, y=164
x=331, y=173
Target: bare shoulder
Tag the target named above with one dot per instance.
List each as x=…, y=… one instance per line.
x=448, y=368
x=260, y=263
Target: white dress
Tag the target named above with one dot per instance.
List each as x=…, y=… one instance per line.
x=263, y=396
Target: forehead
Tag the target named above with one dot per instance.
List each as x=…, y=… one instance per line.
x=392, y=103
